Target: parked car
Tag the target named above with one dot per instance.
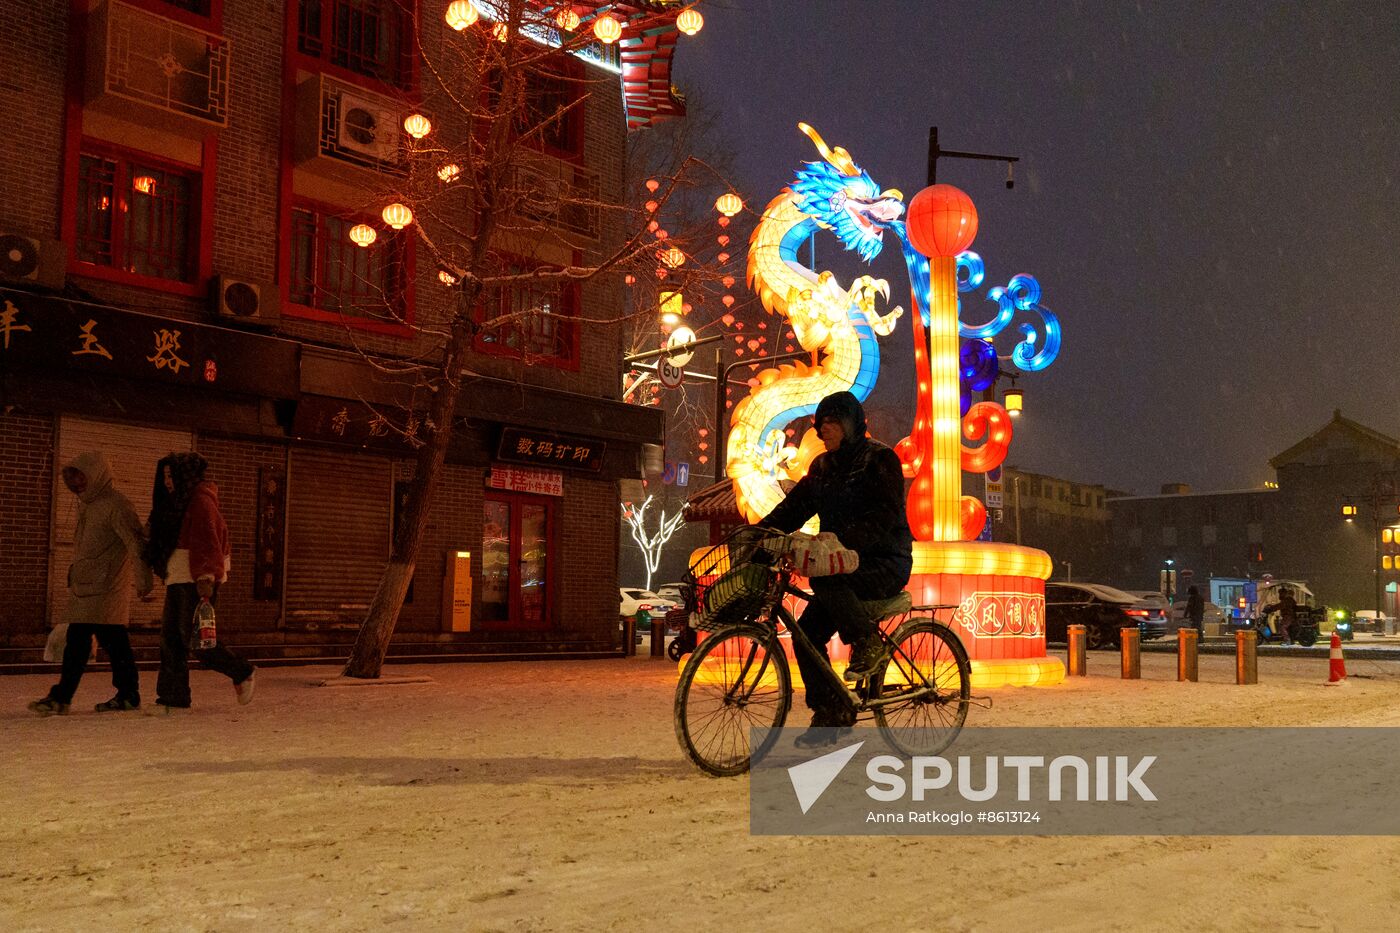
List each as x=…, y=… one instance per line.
x=1102, y=610
x=1151, y=607
x=634, y=600
x=1213, y=613
x=671, y=591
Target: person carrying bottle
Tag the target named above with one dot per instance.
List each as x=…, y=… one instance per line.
x=856, y=487
x=189, y=549
x=107, y=543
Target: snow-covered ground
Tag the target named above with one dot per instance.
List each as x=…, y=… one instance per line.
x=553, y=796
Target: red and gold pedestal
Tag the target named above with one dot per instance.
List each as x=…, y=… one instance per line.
x=999, y=594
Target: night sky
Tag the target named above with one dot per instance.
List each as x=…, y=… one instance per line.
x=1208, y=194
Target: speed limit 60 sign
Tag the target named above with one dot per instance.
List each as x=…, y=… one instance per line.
x=671, y=375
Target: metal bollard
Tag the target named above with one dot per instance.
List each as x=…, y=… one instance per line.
x=1077, y=659
x=658, y=638
x=629, y=636
x=1187, y=666
x=1246, y=657
x=1131, y=642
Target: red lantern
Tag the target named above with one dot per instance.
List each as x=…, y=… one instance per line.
x=630, y=279
x=723, y=239
x=738, y=339
x=788, y=348
x=942, y=221
x=654, y=226
x=653, y=184
x=762, y=325
x=704, y=432
x=753, y=344
x=703, y=459
x=723, y=257
x=728, y=281
x=724, y=221
x=661, y=273
x=703, y=446
x=728, y=303
x=753, y=383
x=738, y=351
x=739, y=326
x=728, y=319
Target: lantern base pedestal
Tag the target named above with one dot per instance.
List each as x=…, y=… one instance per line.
x=1017, y=672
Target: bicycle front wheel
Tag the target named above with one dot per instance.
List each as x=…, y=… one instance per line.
x=924, y=688
x=735, y=680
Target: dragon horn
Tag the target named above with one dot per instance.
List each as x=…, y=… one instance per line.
x=839, y=158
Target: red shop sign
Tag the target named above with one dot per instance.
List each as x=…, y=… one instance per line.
x=524, y=479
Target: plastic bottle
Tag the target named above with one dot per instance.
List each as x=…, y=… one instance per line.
x=204, y=632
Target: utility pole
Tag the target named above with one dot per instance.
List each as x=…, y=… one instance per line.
x=722, y=382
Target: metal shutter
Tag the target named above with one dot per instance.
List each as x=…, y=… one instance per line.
x=337, y=534
x=132, y=452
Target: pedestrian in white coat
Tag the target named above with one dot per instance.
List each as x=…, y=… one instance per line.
x=106, y=552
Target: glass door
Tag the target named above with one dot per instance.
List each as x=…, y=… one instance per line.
x=517, y=537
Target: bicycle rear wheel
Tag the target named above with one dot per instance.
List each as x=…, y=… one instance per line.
x=926, y=685
x=735, y=680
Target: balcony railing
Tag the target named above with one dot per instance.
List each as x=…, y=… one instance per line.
x=147, y=59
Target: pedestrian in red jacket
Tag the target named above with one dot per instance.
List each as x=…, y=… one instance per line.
x=188, y=548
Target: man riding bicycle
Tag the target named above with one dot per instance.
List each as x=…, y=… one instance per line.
x=857, y=489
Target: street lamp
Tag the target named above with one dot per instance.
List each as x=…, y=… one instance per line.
x=1014, y=401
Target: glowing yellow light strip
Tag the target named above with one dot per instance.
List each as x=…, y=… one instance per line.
x=980, y=558
x=944, y=363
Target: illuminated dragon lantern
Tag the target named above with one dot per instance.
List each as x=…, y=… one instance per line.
x=841, y=324
x=997, y=588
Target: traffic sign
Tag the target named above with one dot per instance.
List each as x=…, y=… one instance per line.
x=671, y=374
x=668, y=475
x=682, y=474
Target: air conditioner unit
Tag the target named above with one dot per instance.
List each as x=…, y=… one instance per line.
x=242, y=300
x=31, y=261
x=367, y=127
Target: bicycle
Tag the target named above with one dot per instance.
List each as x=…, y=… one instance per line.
x=738, y=677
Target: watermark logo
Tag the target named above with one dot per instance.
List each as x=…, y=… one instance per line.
x=1072, y=781
x=811, y=779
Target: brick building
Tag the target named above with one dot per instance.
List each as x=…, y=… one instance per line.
x=1293, y=529
x=177, y=184
x=1066, y=519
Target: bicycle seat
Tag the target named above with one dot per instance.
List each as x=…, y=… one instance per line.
x=884, y=608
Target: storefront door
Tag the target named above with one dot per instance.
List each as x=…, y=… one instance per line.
x=517, y=540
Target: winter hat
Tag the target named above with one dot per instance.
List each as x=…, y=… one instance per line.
x=846, y=408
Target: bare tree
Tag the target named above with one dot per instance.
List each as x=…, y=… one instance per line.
x=494, y=214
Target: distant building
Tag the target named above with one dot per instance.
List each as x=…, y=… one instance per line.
x=1067, y=519
x=1295, y=530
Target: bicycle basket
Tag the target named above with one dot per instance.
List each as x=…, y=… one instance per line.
x=731, y=581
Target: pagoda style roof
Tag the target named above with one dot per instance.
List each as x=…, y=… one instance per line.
x=1341, y=433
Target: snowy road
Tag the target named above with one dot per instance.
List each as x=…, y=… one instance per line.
x=552, y=796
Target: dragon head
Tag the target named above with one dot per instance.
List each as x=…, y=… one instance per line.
x=843, y=197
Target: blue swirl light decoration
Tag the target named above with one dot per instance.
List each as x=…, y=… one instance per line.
x=1022, y=293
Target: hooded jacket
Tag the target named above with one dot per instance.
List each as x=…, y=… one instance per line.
x=857, y=490
x=189, y=538
x=106, y=546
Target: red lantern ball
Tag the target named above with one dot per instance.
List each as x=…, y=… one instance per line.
x=942, y=221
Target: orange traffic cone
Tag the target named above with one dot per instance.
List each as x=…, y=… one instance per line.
x=1337, y=675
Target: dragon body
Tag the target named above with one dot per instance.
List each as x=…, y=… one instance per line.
x=839, y=326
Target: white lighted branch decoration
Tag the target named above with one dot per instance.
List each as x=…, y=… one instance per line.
x=651, y=545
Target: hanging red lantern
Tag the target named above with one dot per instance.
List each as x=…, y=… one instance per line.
x=728, y=281
x=653, y=226
x=723, y=239
x=662, y=234
x=739, y=325
x=686, y=308
x=763, y=340
x=723, y=257
x=653, y=184
x=762, y=325
x=788, y=348
x=738, y=339
x=703, y=459
x=728, y=319
x=703, y=446
x=630, y=279
x=738, y=351
x=728, y=303
x=661, y=273
x=652, y=206
x=724, y=221
x=704, y=432
x=753, y=344
x=942, y=221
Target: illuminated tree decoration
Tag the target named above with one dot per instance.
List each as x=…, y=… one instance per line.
x=417, y=125
x=566, y=19
x=461, y=14
x=607, y=29
x=729, y=204
x=363, y=235
x=449, y=172
x=690, y=21
x=397, y=216
x=651, y=543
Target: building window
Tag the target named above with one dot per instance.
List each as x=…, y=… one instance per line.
x=532, y=320
x=136, y=216
x=551, y=116
x=197, y=7
x=330, y=273
x=515, y=553
x=366, y=37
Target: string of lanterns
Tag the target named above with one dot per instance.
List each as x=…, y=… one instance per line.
x=607, y=28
